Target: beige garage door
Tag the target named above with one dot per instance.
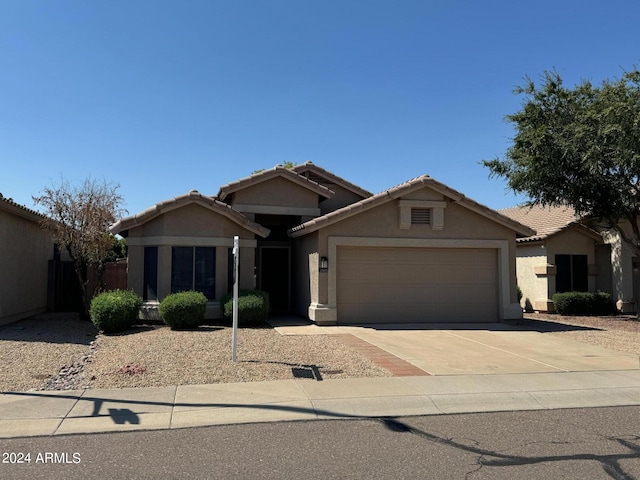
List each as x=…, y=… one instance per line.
x=391, y=285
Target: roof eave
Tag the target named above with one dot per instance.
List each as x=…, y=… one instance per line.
x=265, y=175
x=521, y=229
x=309, y=166
x=122, y=226
x=403, y=189
x=20, y=210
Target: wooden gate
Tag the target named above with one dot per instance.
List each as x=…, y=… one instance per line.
x=63, y=292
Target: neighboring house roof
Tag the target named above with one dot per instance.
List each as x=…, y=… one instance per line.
x=192, y=197
x=403, y=189
x=318, y=174
x=8, y=205
x=546, y=221
x=277, y=171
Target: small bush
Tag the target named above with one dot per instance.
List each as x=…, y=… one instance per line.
x=583, y=303
x=183, y=309
x=115, y=311
x=253, y=307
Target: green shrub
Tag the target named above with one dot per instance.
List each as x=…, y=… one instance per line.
x=519, y=290
x=115, y=311
x=583, y=303
x=183, y=309
x=253, y=307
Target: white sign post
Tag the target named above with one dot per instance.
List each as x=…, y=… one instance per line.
x=236, y=262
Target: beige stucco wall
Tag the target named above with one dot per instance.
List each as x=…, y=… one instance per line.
x=342, y=198
x=535, y=290
x=191, y=220
x=571, y=242
x=190, y=225
x=275, y=192
x=621, y=270
x=383, y=222
x=305, y=273
x=536, y=269
x=25, y=251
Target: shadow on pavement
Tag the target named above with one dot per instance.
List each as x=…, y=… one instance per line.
x=611, y=463
x=50, y=328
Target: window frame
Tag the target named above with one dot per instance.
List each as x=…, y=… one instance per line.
x=572, y=273
x=191, y=278
x=150, y=274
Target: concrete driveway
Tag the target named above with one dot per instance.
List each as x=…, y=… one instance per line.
x=494, y=348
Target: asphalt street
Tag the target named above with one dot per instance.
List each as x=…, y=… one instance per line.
x=569, y=444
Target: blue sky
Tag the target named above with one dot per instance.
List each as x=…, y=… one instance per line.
x=163, y=97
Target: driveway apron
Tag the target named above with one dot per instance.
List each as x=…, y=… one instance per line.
x=490, y=349
x=463, y=349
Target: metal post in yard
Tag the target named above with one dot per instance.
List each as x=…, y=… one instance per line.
x=236, y=262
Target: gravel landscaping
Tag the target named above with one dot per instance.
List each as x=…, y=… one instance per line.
x=60, y=352
x=620, y=332
x=34, y=351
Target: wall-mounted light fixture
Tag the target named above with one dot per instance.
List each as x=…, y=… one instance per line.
x=324, y=264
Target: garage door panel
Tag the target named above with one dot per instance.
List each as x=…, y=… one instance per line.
x=415, y=274
x=414, y=294
x=416, y=285
x=469, y=313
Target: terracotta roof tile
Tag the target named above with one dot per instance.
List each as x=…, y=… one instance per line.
x=397, y=192
x=9, y=205
x=192, y=197
x=263, y=175
x=545, y=220
x=332, y=177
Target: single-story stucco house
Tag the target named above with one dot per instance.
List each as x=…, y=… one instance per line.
x=328, y=250
x=25, y=253
x=560, y=257
x=568, y=253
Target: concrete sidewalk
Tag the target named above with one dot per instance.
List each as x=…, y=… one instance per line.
x=89, y=411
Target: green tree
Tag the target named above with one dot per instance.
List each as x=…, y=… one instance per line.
x=579, y=147
x=119, y=249
x=78, y=219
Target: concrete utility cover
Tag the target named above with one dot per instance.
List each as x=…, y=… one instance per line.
x=490, y=348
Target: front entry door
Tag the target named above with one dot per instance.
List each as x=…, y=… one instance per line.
x=275, y=276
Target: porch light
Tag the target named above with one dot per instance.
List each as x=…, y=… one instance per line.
x=324, y=264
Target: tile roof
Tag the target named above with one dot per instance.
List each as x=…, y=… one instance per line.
x=9, y=205
x=545, y=220
x=276, y=171
x=331, y=177
x=402, y=189
x=192, y=197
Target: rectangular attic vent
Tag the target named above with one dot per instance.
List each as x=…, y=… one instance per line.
x=420, y=216
x=422, y=212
